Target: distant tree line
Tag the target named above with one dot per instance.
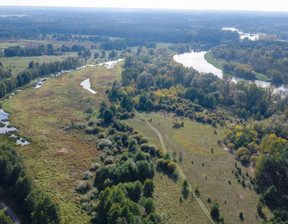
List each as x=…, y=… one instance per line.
x=123, y=44
x=23, y=78
x=41, y=50
x=246, y=58
x=70, y=37
x=74, y=48
x=23, y=52
x=151, y=27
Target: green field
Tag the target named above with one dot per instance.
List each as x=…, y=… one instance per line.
x=167, y=200
x=211, y=172
x=18, y=64
x=213, y=61
x=57, y=158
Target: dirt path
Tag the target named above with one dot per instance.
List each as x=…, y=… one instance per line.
x=207, y=213
x=7, y=209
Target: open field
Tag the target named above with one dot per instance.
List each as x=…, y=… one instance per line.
x=211, y=172
x=213, y=61
x=167, y=195
x=18, y=64
x=56, y=157
x=5, y=43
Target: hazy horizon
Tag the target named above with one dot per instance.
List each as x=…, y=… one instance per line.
x=225, y=5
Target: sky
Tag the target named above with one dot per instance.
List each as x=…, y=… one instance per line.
x=251, y=5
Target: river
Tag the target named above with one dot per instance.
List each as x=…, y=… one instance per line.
x=242, y=35
x=197, y=61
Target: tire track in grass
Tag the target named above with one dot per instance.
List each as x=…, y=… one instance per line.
x=182, y=175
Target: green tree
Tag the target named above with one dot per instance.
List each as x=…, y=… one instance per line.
x=114, y=213
x=243, y=154
x=185, y=189
x=148, y=188
x=215, y=214
x=5, y=219
x=127, y=103
x=137, y=191
x=46, y=212
x=128, y=60
x=108, y=115
x=142, y=102
x=149, y=205
x=23, y=187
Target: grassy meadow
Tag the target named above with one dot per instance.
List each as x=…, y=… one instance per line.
x=18, y=64
x=208, y=57
x=57, y=157
x=209, y=171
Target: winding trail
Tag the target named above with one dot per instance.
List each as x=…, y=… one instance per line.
x=7, y=209
x=182, y=175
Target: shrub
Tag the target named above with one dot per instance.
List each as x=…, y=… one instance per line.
x=87, y=175
x=171, y=167
x=133, y=148
x=241, y=216
x=197, y=191
x=209, y=200
x=108, y=115
x=215, y=212
x=119, y=143
x=149, y=205
x=124, y=139
x=108, y=161
x=185, y=189
x=143, y=140
x=89, y=111
x=83, y=187
x=148, y=188
x=159, y=153
x=103, y=157
x=166, y=165
x=92, y=194
x=101, y=135
x=148, y=148
x=160, y=163
x=79, y=126
x=178, y=124
x=243, y=155
x=92, y=131
x=132, y=143
x=101, y=143
x=95, y=166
